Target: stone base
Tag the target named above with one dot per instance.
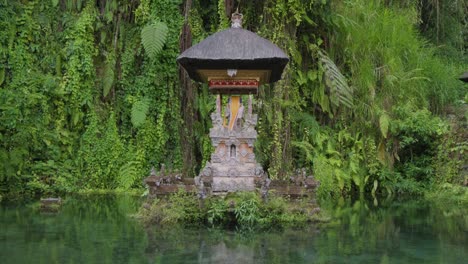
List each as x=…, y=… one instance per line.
x=233, y=183
x=232, y=166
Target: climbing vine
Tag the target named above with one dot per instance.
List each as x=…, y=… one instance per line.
x=91, y=96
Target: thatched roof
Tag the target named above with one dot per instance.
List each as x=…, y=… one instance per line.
x=464, y=77
x=234, y=48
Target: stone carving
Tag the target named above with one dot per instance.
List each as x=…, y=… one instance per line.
x=218, y=105
x=302, y=179
x=153, y=172
x=262, y=180
x=215, y=158
x=258, y=171
x=201, y=187
x=207, y=171
x=249, y=125
x=163, y=177
x=244, y=152
x=251, y=157
x=233, y=172
x=221, y=152
x=217, y=120
x=240, y=115
x=265, y=188
x=232, y=166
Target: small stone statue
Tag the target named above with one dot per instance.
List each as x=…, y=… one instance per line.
x=158, y=179
x=206, y=172
x=302, y=179
x=259, y=171
x=178, y=177
x=217, y=120
x=153, y=172
x=299, y=178
x=265, y=187
x=240, y=115
x=201, y=187
x=218, y=104
x=236, y=19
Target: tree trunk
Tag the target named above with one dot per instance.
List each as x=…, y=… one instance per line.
x=187, y=101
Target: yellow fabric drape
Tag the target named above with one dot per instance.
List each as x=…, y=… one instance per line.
x=235, y=104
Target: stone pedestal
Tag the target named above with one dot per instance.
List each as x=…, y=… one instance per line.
x=233, y=166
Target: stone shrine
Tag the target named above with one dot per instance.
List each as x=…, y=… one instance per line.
x=233, y=62
x=233, y=166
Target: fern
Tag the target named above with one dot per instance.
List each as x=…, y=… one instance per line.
x=306, y=121
x=128, y=174
x=306, y=148
x=340, y=92
x=139, y=111
x=153, y=37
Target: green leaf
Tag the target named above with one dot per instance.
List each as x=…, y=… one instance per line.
x=128, y=173
x=340, y=92
x=306, y=147
x=312, y=75
x=108, y=78
x=384, y=122
x=55, y=3
x=2, y=75
x=139, y=112
x=153, y=37
x=356, y=179
x=374, y=189
x=75, y=117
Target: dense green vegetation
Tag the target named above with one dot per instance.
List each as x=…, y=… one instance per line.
x=91, y=96
x=243, y=210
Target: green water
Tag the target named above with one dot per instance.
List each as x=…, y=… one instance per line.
x=97, y=229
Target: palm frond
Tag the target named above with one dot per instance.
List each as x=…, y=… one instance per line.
x=340, y=92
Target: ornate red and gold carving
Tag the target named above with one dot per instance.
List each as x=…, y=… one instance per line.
x=233, y=84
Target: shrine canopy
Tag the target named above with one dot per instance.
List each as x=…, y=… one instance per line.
x=234, y=61
x=464, y=77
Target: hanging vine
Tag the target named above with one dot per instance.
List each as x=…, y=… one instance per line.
x=91, y=96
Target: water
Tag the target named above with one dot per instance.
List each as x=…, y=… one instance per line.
x=98, y=229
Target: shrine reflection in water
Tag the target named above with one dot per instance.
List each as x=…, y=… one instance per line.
x=98, y=229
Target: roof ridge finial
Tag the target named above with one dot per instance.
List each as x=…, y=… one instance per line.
x=236, y=19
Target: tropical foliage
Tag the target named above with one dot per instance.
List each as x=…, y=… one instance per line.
x=238, y=210
x=91, y=96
